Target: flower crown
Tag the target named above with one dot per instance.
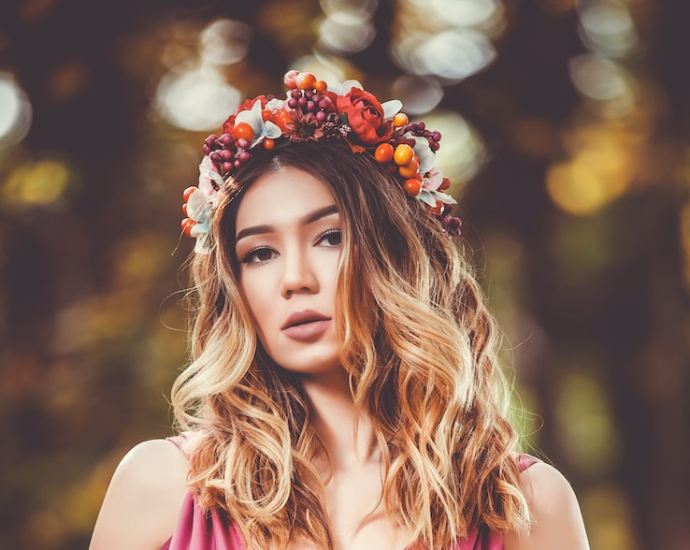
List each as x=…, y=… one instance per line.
x=318, y=111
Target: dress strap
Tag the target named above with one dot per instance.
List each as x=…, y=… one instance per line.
x=524, y=461
x=179, y=441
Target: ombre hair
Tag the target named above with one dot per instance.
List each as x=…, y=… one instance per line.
x=420, y=348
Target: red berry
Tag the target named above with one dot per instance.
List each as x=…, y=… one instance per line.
x=283, y=119
x=187, y=225
x=188, y=192
x=384, y=153
x=305, y=81
x=410, y=169
x=412, y=187
x=320, y=86
x=243, y=131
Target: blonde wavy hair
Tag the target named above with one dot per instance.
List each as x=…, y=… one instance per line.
x=421, y=351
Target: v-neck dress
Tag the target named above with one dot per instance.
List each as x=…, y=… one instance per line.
x=199, y=529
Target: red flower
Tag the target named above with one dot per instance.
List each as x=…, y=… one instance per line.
x=229, y=124
x=247, y=105
x=364, y=116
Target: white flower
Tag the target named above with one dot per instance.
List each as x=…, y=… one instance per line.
x=391, y=108
x=262, y=129
x=343, y=88
x=433, y=180
x=430, y=193
x=275, y=104
x=200, y=203
x=208, y=174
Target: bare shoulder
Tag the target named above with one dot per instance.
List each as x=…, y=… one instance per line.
x=143, y=502
x=557, y=520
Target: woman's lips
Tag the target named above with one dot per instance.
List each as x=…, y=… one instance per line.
x=307, y=331
x=305, y=325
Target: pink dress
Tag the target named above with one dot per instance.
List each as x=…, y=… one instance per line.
x=199, y=530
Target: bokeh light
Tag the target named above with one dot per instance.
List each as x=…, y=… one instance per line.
x=225, y=42
x=15, y=111
x=462, y=151
x=606, y=81
x=486, y=15
x=346, y=32
x=606, y=27
x=418, y=95
x=451, y=55
x=584, y=422
x=196, y=99
x=449, y=40
x=39, y=183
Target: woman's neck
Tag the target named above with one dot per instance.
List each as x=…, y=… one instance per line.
x=347, y=435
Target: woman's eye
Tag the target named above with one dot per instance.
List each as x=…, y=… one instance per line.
x=258, y=255
x=332, y=237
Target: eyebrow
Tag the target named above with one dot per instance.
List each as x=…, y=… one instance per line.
x=307, y=219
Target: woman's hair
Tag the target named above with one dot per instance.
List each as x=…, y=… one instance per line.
x=421, y=351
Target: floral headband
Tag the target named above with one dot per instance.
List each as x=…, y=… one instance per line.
x=318, y=111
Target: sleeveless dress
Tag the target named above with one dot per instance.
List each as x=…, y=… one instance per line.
x=200, y=530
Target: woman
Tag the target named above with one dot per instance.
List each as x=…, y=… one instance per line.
x=344, y=391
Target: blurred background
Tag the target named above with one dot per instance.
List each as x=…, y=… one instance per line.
x=566, y=133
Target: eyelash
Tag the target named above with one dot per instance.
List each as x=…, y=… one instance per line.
x=249, y=256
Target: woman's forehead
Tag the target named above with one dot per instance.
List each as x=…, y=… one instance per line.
x=283, y=196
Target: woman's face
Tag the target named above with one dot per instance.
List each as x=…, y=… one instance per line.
x=288, y=243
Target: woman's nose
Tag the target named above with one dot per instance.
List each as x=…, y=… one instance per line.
x=299, y=275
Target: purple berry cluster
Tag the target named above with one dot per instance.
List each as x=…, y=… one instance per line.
x=451, y=225
x=311, y=102
x=226, y=152
x=419, y=129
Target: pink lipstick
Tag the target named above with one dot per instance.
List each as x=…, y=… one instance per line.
x=305, y=325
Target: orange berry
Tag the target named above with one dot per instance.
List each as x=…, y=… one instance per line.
x=188, y=192
x=412, y=187
x=184, y=209
x=267, y=114
x=283, y=119
x=410, y=170
x=384, y=153
x=305, y=81
x=438, y=209
x=269, y=143
x=320, y=86
x=403, y=154
x=445, y=184
x=400, y=120
x=243, y=131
